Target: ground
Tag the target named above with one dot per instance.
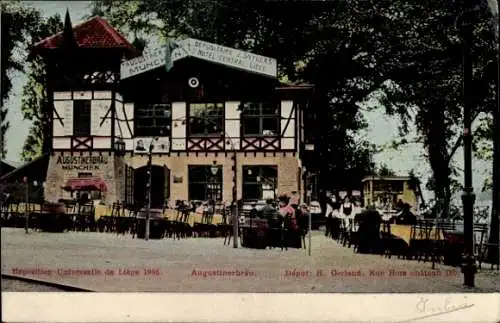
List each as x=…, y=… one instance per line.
x=111, y=263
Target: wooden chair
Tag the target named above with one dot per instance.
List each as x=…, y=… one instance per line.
x=481, y=246
x=484, y=251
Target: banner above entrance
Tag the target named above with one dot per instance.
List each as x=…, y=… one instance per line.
x=154, y=58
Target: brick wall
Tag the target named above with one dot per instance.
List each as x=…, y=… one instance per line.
x=178, y=165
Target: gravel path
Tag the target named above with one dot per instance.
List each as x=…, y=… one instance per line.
x=106, y=262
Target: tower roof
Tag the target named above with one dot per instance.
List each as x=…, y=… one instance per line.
x=93, y=33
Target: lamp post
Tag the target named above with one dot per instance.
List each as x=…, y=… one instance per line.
x=148, y=188
x=468, y=196
x=213, y=170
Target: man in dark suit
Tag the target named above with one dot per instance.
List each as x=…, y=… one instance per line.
x=269, y=211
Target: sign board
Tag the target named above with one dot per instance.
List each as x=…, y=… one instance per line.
x=151, y=60
x=160, y=146
x=81, y=162
x=230, y=57
x=156, y=57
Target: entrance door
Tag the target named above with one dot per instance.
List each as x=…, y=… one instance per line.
x=157, y=186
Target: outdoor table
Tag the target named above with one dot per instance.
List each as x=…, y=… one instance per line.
x=101, y=210
x=454, y=247
x=53, y=218
x=254, y=233
x=156, y=229
x=403, y=231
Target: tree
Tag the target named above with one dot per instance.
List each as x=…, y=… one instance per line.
x=428, y=85
x=15, y=21
x=384, y=170
x=34, y=103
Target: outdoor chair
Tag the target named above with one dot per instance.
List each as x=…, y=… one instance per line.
x=344, y=232
x=227, y=232
x=354, y=235
x=484, y=252
x=437, y=243
x=335, y=224
x=275, y=237
x=388, y=240
x=480, y=244
x=420, y=240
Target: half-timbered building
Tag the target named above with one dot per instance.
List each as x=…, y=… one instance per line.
x=210, y=105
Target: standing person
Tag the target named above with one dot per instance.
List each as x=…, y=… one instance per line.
x=335, y=221
x=304, y=222
x=287, y=211
x=330, y=203
x=270, y=213
x=346, y=211
x=289, y=220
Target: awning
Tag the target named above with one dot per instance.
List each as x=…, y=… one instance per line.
x=86, y=184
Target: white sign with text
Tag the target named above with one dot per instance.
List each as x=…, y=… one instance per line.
x=160, y=145
x=155, y=57
x=231, y=57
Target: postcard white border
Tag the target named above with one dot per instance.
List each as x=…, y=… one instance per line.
x=214, y=307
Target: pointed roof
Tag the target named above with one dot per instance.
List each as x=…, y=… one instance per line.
x=93, y=33
x=68, y=37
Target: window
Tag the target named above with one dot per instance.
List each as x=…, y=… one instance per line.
x=81, y=117
x=391, y=186
x=205, y=182
x=206, y=119
x=259, y=182
x=129, y=185
x=260, y=119
x=153, y=119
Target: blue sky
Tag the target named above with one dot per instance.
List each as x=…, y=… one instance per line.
x=382, y=129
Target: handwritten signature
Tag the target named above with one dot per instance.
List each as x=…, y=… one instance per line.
x=435, y=307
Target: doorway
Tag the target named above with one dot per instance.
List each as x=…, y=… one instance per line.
x=160, y=186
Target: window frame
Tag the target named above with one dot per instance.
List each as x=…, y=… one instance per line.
x=164, y=130
x=81, y=129
x=209, y=180
x=218, y=133
x=259, y=170
x=260, y=116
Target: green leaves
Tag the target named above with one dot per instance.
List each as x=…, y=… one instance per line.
x=34, y=102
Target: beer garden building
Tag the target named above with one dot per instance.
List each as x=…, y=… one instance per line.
x=190, y=106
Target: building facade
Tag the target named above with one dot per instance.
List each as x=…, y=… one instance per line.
x=192, y=119
x=389, y=190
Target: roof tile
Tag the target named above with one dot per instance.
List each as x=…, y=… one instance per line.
x=93, y=33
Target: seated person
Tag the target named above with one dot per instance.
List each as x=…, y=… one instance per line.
x=253, y=212
x=406, y=216
x=269, y=211
x=287, y=212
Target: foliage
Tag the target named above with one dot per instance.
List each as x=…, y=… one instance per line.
x=323, y=46
x=384, y=170
x=15, y=21
x=34, y=104
x=427, y=89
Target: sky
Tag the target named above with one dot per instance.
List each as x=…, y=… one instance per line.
x=382, y=129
